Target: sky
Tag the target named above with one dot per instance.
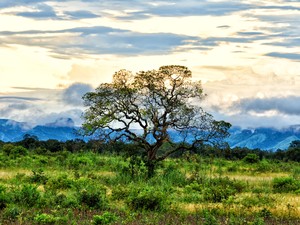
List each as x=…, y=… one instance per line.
x=245, y=52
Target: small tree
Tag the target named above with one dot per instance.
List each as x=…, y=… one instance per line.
x=153, y=109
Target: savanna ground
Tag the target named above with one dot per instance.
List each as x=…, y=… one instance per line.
x=42, y=187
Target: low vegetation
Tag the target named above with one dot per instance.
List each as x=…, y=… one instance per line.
x=104, y=185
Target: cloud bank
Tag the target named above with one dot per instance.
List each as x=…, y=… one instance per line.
x=247, y=53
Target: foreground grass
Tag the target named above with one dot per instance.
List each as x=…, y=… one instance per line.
x=89, y=188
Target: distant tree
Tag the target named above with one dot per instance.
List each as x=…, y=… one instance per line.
x=30, y=141
x=53, y=145
x=293, y=152
x=146, y=107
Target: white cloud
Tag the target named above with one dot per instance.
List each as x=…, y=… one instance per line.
x=246, y=52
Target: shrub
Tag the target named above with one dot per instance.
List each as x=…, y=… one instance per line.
x=77, y=162
x=38, y=176
x=251, y=158
x=7, y=148
x=49, y=219
x=93, y=197
x=210, y=219
x=45, y=219
x=265, y=213
x=219, y=189
x=12, y=212
x=105, y=218
x=120, y=192
x=174, y=176
x=146, y=198
x=285, y=184
x=3, y=197
x=14, y=151
x=27, y=195
x=60, y=182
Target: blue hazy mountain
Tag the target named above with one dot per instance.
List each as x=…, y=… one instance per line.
x=64, y=129
x=263, y=138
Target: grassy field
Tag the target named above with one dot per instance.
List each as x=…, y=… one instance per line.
x=90, y=188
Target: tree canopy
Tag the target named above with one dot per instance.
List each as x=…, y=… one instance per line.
x=153, y=108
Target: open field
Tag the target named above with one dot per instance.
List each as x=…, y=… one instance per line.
x=92, y=188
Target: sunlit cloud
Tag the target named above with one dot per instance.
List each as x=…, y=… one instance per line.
x=247, y=54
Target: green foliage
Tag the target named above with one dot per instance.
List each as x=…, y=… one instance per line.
x=265, y=213
x=285, y=184
x=60, y=182
x=79, y=161
x=105, y=218
x=209, y=219
x=26, y=195
x=146, y=198
x=38, y=176
x=173, y=176
x=14, y=151
x=45, y=218
x=251, y=158
x=45, y=189
x=93, y=197
x=258, y=221
x=49, y=219
x=220, y=189
x=256, y=200
x=120, y=192
x=12, y=212
x=3, y=197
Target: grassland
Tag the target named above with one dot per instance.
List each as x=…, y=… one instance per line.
x=92, y=188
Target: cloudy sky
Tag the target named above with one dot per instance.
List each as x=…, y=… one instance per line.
x=246, y=52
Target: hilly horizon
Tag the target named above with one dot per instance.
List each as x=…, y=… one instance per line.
x=63, y=129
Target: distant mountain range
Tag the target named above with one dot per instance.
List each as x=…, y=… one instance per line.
x=263, y=138
x=64, y=129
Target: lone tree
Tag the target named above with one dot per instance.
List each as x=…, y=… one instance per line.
x=153, y=109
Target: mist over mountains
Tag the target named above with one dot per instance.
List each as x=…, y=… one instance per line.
x=63, y=129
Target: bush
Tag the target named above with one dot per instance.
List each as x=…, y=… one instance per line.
x=210, y=219
x=146, y=198
x=45, y=219
x=60, y=182
x=105, y=218
x=12, y=212
x=3, y=197
x=78, y=162
x=285, y=184
x=93, y=197
x=14, y=151
x=120, y=192
x=38, y=176
x=251, y=158
x=27, y=195
x=49, y=219
x=219, y=189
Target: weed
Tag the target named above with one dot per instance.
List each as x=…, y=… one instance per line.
x=3, y=197
x=146, y=198
x=27, y=195
x=12, y=212
x=285, y=184
x=93, y=197
x=209, y=219
x=105, y=218
x=38, y=176
x=219, y=189
x=60, y=182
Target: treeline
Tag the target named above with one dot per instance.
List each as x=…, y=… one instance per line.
x=32, y=143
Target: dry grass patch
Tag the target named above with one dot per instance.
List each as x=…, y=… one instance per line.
x=5, y=174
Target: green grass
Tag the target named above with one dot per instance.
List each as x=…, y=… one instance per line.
x=91, y=188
